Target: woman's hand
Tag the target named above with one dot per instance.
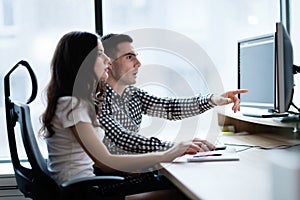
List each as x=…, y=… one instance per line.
x=181, y=148
x=189, y=147
x=204, y=145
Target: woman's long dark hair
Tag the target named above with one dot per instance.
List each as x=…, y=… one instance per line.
x=72, y=73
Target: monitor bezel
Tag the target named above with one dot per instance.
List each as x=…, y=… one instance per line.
x=284, y=74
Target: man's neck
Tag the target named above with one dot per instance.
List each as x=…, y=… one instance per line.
x=117, y=87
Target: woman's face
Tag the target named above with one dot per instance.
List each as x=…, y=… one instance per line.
x=101, y=64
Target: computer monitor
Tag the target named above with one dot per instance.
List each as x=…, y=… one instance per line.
x=284, y=69
x=256, y=72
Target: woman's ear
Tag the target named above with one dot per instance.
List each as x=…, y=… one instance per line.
x=110, y=65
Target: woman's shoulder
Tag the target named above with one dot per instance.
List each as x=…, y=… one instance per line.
x=67, y=100
x=71, y=102
x=73, y=109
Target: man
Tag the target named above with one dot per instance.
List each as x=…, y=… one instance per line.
x=124, y=104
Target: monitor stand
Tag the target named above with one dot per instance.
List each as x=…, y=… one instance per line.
x=294, y=119
x=261, y=113
x=290, y=119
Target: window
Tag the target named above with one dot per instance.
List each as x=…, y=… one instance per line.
x=215, y=26
x=30, y=31
x=294, y=33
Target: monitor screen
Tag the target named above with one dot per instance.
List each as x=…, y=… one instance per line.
x=256, y=71
x=284, y=69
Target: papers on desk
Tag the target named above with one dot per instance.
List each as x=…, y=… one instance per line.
x=221, y=155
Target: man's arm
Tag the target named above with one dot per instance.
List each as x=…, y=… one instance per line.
x=130, y=141
x=173, y=108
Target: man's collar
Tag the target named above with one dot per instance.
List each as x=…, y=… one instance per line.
x=114, y=95
x=110, y=92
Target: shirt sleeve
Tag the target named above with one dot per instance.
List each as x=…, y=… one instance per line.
x=173, y=108
x=71, y=111
x=130, y=141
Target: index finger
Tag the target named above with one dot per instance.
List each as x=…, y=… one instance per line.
x=239, y=91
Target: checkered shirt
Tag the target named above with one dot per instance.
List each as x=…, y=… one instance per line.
x=121, y=117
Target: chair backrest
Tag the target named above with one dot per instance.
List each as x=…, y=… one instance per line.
x=33, y=182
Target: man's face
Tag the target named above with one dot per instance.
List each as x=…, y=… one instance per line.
x=125, y=66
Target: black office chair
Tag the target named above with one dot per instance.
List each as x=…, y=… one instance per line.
x=35, y=182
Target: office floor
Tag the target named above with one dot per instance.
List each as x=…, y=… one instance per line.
x=11, y=195
x=8, y=188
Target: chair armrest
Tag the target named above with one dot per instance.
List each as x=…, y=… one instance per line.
x=91, y=181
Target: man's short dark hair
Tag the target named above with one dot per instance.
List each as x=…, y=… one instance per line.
x=111, y=41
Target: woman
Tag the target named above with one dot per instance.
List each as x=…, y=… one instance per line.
x=69, y=124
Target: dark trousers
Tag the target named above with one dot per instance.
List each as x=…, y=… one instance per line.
x=136, y=183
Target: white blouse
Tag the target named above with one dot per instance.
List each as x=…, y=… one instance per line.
x=66, y=158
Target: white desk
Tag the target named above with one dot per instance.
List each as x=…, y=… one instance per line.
x=248, y=178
